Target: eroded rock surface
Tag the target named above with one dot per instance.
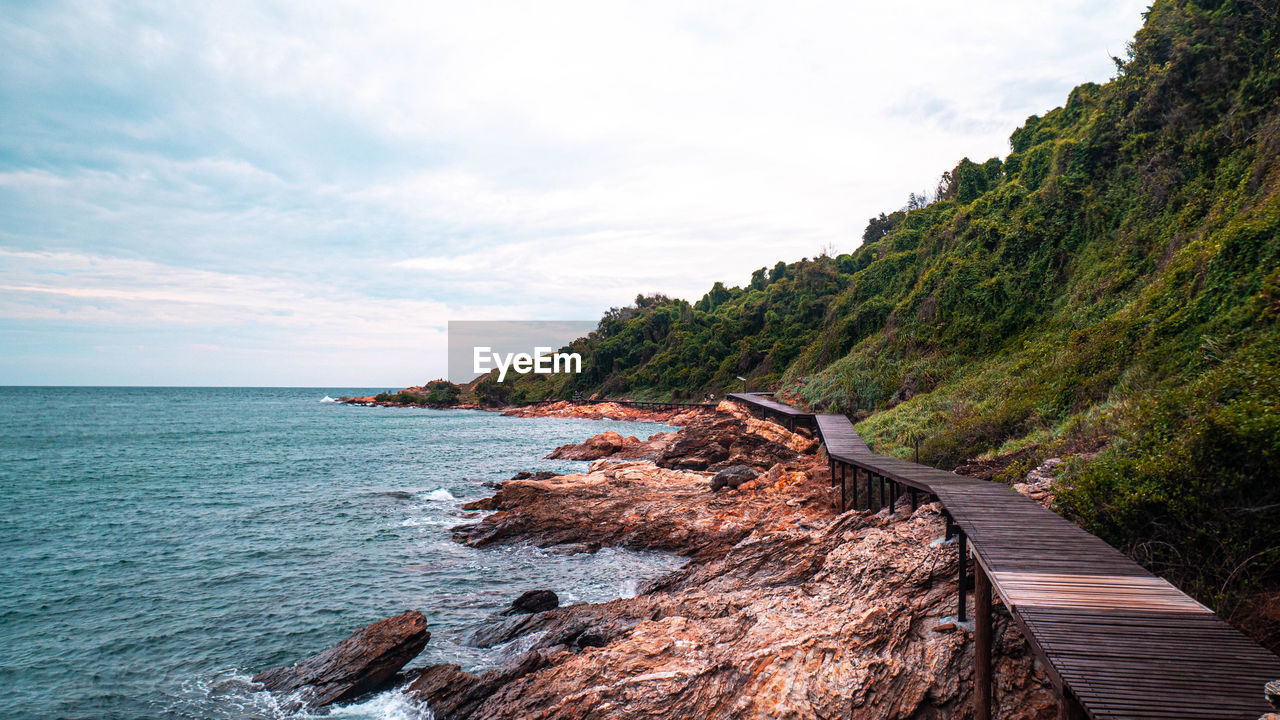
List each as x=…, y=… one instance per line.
x=610, y=444
x=638, y=505
x=606, y=410
x=366, y=661
x=808, y=615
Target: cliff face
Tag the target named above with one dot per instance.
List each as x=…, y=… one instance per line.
x=786, y=609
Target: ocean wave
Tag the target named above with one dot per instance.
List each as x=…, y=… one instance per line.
x=232, y=695
x=440, y=494
x=390, y=705
x=326, y=398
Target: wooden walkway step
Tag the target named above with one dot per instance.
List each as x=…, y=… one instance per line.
x=1116, y=639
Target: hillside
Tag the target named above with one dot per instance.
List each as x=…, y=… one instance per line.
x=1106, y=293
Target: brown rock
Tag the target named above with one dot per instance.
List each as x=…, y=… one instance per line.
x=367, y=661
x=605, y=410
x=805, y=617
x=785, y=609
x=453, y=693
x=610, y=444
x=732, y=437
x=641, y=506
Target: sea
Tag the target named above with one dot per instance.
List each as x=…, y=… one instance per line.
x=158, y=546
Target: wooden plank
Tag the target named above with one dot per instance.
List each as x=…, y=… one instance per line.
x=1121, y=641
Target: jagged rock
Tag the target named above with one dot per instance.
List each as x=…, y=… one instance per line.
x=785, y=609
x=609, y=410
x=731, y=436
x=533, y=601
x=637, y=505
x=365, y=662
x=452, y=693
x=803, y=618
x=733, y=476
x=613, y=445
x=501, y=628
x=488, y=503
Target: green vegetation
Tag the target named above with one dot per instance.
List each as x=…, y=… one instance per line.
x=437, y=393
x=1107, y=293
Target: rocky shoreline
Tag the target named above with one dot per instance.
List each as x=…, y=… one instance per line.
x=556, y=408
x=785, y=609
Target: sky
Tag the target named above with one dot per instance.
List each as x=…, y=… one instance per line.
x=305, y=193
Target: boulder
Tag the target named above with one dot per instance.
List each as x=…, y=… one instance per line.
x=365, y=662
x=533, y=601
x=733, y=476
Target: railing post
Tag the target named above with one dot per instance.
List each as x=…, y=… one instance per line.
x=843, y=503
x=981, y=646
x=963, y=544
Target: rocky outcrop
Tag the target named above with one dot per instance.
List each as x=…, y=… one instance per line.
x=638, y=505
x=365, y=662
x=808, y=615
x=785, y=610
x=708, y=441
x=606, y=410
x=731, y=436
x=610, y=444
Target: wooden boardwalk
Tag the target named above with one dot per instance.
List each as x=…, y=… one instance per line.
x=1117, y=641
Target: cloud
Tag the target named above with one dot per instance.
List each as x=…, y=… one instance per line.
x=270, y=169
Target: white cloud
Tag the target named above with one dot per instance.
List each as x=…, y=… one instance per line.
x=375, y=170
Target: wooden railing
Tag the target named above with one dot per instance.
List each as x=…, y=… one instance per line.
x=1116, y=641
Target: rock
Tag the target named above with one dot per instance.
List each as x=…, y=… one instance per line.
x=539, y=475
x=367, y=661
x=733, y=476
x=610, y=444
x=501, y=628
x=1038, y=484
x=1272, y=692
x=607, y=410
x=533, y=601
x=806, y=616
x=453, y=693
x=732, y=437
x=641, y=506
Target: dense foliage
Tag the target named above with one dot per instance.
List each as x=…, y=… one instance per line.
x=437, y=393
x=1107, y=293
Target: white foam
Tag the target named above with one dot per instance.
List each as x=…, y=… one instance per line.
x=440, y=494
x=326, y=398
x=390, y=705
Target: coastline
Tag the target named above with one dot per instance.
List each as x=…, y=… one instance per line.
x=605, y=410
x=785, y=608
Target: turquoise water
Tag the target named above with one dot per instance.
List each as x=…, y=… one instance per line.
x=160, y=544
